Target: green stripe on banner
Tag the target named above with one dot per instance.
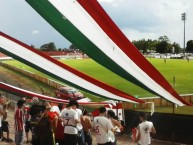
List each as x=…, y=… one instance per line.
x=47, y=73
x=70, y=32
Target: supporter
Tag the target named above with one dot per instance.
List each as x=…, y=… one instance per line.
x=59, y=134
x=115, y=123
x=87, y=126
x=80, y=137
x=102, y=125
x=27, y=118
x=19, y=122
x=2, y=102
x=36, y=112
x=70, y=118
x=144, y=129
x=46, y=127
x=5, y=124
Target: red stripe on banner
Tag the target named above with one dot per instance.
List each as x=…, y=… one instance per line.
x=19, y=91
x=110, y=28
x=76, y=72
x=22, y=92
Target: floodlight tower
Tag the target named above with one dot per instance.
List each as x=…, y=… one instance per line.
x=183, y=15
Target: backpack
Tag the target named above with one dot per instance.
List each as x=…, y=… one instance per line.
x=43, y=127
x=59, y=134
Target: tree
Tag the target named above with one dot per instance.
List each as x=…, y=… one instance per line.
x=164, y=45
x=164, y=38
x=145, y=45
x=189, y=46
x=48, y=47
x=152, y=45
x=176, y=47
x=72, y=46
x=141, y=45
x=52, y=46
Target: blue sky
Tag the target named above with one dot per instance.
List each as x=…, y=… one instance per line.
x=137, y=19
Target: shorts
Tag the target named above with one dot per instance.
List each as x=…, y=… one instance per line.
x=5, y=126
x=27, y=126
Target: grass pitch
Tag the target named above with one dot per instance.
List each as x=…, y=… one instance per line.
x=178, y=72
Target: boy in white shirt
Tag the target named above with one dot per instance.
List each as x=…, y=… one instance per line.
x=145, y=128
x=102, y=125
x=70, y=119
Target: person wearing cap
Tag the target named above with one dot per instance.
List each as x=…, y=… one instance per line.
x=102, y=125
x=70, y=119
x=19, y=122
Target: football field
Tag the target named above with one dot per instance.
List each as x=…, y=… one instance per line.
x=178, y=72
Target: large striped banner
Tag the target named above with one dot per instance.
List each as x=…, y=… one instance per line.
x=86, y=25
x=60, y=71
x=25, y=93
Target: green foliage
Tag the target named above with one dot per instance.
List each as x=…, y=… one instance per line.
x=48, y=47
x=176, y=47
x=72, y=46
x=144, y=45
x=164, y=38
x=189, y=47
x=162, y=45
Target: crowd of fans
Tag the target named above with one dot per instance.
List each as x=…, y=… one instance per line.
x=61, y=124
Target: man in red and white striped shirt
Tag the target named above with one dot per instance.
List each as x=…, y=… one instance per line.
x=19, y=122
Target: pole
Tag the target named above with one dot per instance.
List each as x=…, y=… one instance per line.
x=173, y=112
x=184, y=31
x=184, y=20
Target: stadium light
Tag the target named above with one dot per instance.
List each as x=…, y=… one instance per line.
x=183, y=16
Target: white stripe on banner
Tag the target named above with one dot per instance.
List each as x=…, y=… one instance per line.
x=51, y=67
x=74, y=12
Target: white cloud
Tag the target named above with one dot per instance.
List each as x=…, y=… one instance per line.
x=34, y=32
x=133, y=34
x=114, y=3
x=150, y=19
x=136, y=18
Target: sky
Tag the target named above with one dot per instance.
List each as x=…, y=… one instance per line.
x=137, y=19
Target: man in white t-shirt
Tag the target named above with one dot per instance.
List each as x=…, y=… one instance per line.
x=70, y=119
x=102, y=125
x=145, y=128
x=80, y=138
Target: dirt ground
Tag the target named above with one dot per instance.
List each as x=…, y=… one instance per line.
x=17, y=80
